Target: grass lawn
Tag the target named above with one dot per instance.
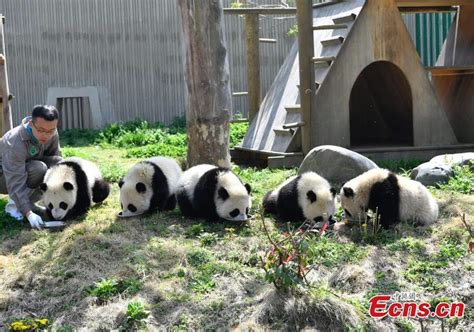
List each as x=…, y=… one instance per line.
x=165, y=271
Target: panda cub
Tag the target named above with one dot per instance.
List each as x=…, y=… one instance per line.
x=305, y=197
x=394, y=197
x=207, y=191
x=149, y=185
x=70, y=187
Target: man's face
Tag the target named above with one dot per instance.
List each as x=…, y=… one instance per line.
x=43, y=129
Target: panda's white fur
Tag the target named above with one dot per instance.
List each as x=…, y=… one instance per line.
x=399, y=198
x=307, y=196
x=148, y=185
x=188, y=181
x=70, y=187
x=206, y=191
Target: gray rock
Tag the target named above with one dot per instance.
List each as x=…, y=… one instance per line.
x=453, y=159
x=431, y=174
x=336, y=164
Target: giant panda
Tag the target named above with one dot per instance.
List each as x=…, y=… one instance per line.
x=304, y=197
x=395, y=199
x=70, y=187
x=149, y=185
x=213, y=193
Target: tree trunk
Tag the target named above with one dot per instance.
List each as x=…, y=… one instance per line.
x=208, y=100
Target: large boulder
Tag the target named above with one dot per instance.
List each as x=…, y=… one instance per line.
x=458, y=159
x=338, y=165
x=431, y=174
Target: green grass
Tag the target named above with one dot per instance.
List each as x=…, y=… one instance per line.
x=331, y=253
x=462, y=182
x=106, y=289
x=102, y=271
x=408, y=244
x=137, y=313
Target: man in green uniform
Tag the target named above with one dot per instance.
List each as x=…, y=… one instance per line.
x=26, y=152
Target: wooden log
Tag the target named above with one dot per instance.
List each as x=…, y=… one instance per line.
x=6, y=118
x=207, y=78
x=306, y=52
x=253, y=64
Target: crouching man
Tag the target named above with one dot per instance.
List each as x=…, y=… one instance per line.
x=26, y=152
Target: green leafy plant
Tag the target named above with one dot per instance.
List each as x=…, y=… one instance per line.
x=208, y=239
x=106, y=289
x=286, y=264
x=293, y=31
x=137, y=313
x=462, y=181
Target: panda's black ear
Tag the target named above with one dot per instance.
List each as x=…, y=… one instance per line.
x=120, y=183
x=348, y=192
x=333, y=192
x=141, y=188
x=43, y=186
x=249, y=189
x=68, y=186
x=311, y=196
x=223, y=194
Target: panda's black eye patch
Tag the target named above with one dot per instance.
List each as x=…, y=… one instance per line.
x=50, y=206
x=63, y=205
x=223, y=194
x=141, y=188
x=234, y=213
x=311, y=196
x=247, y=211
x=68, y=186
x=131, y=208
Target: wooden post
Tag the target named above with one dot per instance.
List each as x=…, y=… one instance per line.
x=304, y=11
x=209, y=99
x=253, y=63
x=6, y=118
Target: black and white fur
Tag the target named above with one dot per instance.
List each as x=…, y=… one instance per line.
x=394, y=197
x=149, y=185
x=305, y=197
x=210, y=192
x=71, y=186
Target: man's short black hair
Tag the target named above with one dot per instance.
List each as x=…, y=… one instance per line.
x=47, y=112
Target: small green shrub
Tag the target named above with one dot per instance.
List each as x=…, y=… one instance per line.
x=462, y=181
x=237, y=133
x=202, y=282
x=137, y=313
x=194, y=230
x=112, y=172
x=208, y=239
x=408, y=244
x=106, y=289
x=199, y=256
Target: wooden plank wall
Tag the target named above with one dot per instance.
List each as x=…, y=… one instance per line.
x=129, y=49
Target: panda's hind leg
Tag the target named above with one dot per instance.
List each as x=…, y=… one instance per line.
x=100, y=191
x=269, y=203
x=186, y=206
x=170, y=203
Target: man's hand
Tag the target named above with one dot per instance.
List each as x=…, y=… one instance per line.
x=35, y=220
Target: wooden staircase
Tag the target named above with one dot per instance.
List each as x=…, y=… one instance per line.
x=281, y=110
